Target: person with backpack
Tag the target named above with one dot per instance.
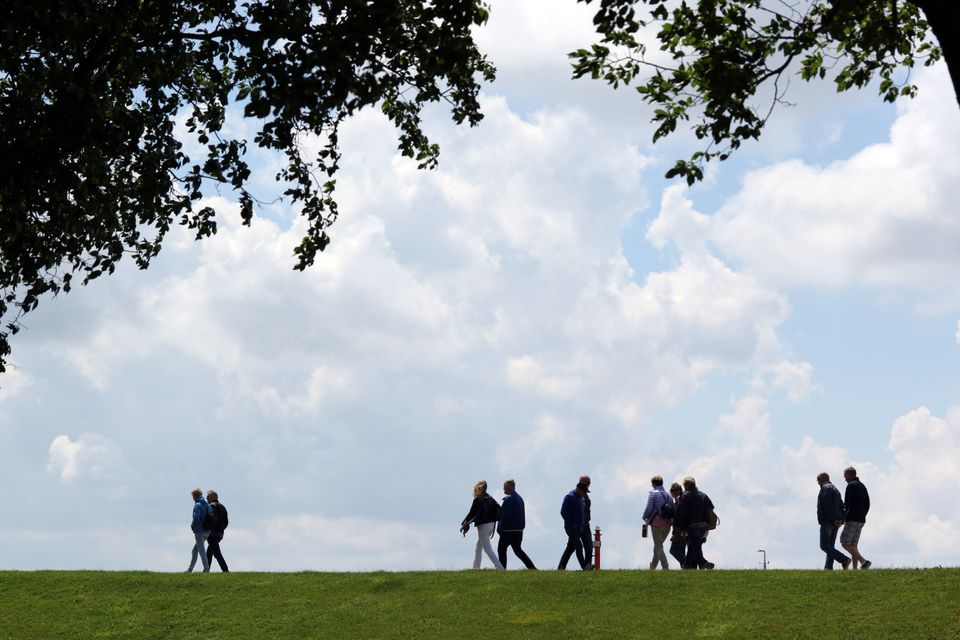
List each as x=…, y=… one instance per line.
x=484, y=513
x=659, y=516
x=200, y=525
x=220, y=522
x=695, y=516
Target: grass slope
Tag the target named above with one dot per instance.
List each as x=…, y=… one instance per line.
x=483, y=604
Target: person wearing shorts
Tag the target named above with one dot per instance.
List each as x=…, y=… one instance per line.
x=857, y=503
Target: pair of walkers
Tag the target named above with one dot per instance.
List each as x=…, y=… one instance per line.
x=849, y=512
x=488, y=517
x=575, y=511
x=208, y=522
x=689, y=512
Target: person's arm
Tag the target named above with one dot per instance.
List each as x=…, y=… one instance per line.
x=866, y=501
x=475, y=510
x=648, y=512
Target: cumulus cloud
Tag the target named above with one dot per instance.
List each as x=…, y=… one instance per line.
x=884, y=217
x=89, y=456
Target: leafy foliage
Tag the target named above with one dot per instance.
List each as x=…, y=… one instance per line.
x=725, y=64
x=92, y=164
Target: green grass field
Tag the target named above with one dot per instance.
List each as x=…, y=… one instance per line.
x=483, y=604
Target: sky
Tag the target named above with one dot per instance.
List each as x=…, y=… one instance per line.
x=544, y=304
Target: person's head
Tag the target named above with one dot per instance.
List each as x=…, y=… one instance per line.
x=689, y=483
x=585, y=479
x=676, y=490
x=212, y=496
x=583, y=488
x=656, y=481
x=823, y=478
x=849, y=474
x=509, y=486
x=479, y=489
x=196, y=493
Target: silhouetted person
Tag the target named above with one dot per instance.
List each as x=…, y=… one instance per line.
x=678, y=541
x=586, y=538
x=510, y=527
x=830, y=516
x=198, y=524
x=572, y=512
x=484, y=513
x=221, y=520
x=856, y=500
x=692, y=517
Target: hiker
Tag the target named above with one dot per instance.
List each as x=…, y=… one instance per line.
x=511, y=524
x=586, y=538
x=200, y=528
x=220, y=522
x=856, y=500
x=678, y=541
x=692, y=517
x=572, y=512
x=484, y=512
x=659, y=516
x=830, y=516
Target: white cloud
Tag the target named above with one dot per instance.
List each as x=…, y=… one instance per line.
x=884, y=217
x=795, y=378
x=12, y=382
x=89, y=456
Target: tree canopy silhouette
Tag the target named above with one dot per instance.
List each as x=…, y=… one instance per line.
x=98, y=96
x=725, y=64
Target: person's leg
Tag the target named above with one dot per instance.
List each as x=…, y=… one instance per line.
x=849, y=539
x=193, y=555
x=678, y=548
x=587, y=541
x=486, y=530
x=478, y=549
x=572, y=535
x=213, y=551
x=520, y=553
x=502, y=545
x=828, y=542
x=694, y=549
x=201, y=541
x=659, y=537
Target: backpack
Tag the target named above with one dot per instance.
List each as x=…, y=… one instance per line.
x=713, y=520
x=667, y=511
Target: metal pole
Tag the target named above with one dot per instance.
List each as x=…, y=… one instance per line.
x=764, y=552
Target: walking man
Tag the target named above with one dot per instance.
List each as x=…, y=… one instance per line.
x=830, y=516
x=511, y=525
x=659, y=503
x=585, y=536
x=572, y=512
x=857, y=501
x=220, y=522
x=693, y=518
x=198, y=525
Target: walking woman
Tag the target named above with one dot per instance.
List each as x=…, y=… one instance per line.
x=484, y=513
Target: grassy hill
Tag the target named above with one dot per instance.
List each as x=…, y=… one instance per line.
x=483, y=604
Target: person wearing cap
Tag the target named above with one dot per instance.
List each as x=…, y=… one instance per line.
x=572, y=511
x=585, y=536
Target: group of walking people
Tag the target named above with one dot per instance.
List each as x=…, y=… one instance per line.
x=686, y=510
x=208, y=522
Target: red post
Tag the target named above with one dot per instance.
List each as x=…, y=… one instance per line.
x=596, y=549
